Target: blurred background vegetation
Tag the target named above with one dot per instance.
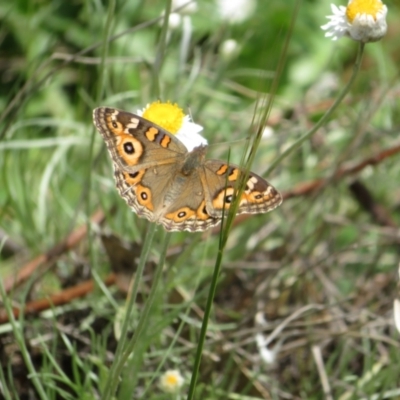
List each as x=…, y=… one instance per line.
x=316, y=277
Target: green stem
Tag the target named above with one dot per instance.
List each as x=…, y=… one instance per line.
x=325, y=117
x=86, y=191
x=116, y=368
x=160, y=54
x=206, y=317
x=142, y=326
x=150, y=300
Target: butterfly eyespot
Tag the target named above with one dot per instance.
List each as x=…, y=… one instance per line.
x=258, y=196
x=114, y=124
x=129, y=148
x=181, y=214
x=131, y=178
x=201, y=213
x=228, y=199
x=144, y=196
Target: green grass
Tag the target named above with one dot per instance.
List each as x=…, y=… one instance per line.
x=321, y=269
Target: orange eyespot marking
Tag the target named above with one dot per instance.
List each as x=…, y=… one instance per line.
x=165, y=141
x=201, y=212
x=116, y=127
x=180, y=215
x=133, y=178
x=222, y=169
x=152, y=133
x=224, y=197
x=255, y=197
x=143, y=195
x=234, y=175
x=129, y=149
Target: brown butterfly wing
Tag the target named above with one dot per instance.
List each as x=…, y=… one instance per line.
x=172, y=195
x=220, y=178
x=135, y=143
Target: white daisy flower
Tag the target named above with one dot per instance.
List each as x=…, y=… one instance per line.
x=229, y=49
x=174, y=21
x=361, y=20
x=171, y=381
x=171, y=117
x=236, y=11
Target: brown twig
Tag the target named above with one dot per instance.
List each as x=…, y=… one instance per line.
x=70, y=242
x=305, y=188
x=308, y=187
x=57, y=299
x=364, y=197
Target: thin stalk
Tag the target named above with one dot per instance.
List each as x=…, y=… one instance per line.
x=325, y=117
x=149, y=302
x=206, y=317
x=160, y=54
x=116, y=368
x=227, y=224
x=87, y=188
x=142, y=326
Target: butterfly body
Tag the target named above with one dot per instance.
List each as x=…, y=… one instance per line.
x=162, y=181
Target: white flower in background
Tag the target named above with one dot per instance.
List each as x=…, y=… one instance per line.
x=229, y=48
x=396, y=314
x=180, y=9
x=235, y=11
x=396, y=309
x=267, y=355
x=362, y=20
x=171, y=117
x=174, y=21
x=267, y=132
x=171, y=381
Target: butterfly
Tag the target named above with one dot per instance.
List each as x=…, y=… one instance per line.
x=167, y=184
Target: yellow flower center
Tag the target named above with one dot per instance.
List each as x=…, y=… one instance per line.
x=171, y=380
x=357, y=7
x=168, y=116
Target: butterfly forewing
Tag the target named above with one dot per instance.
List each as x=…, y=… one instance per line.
x=135, y=143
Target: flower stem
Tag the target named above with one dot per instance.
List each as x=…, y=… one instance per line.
x=325, y=117
x=119, y=360
x=204, y=325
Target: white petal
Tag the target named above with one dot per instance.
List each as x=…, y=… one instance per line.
x=191, y=139
x=365, y=28
x=396, y=314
